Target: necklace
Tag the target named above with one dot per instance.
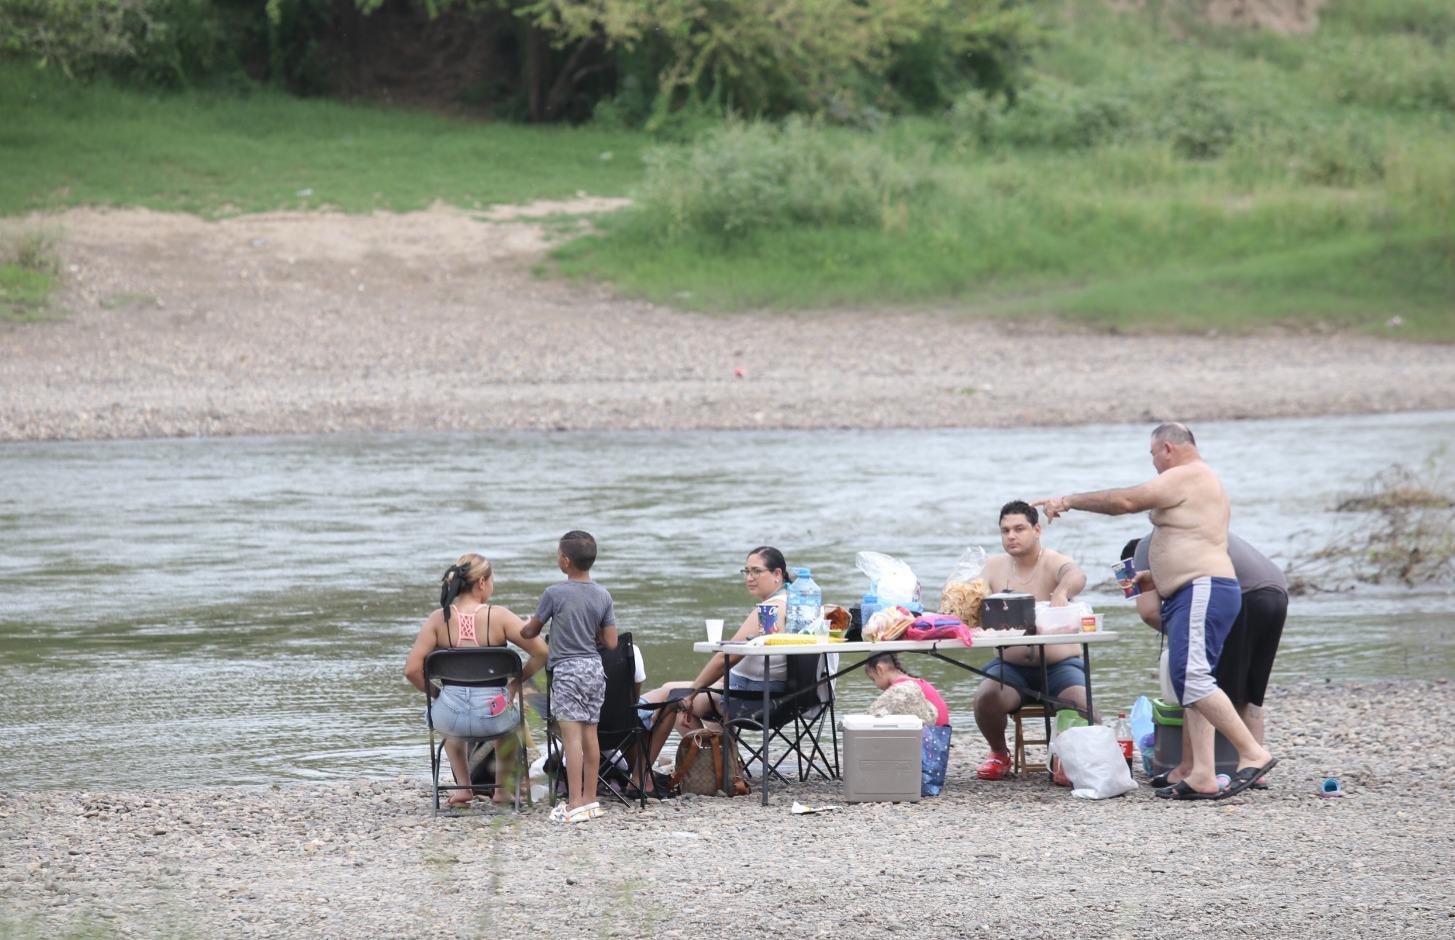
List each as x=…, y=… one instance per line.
x=1015, y=570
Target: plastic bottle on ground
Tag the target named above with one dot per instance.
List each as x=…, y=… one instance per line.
x=1123, y=729
x=805, y=601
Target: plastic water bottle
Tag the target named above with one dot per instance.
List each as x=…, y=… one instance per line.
x=805, y=601
x=868, y=607
x=1124, y=736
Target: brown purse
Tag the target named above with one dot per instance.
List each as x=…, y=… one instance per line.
x=704, y=777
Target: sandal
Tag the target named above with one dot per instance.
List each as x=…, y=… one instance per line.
x=996, y=767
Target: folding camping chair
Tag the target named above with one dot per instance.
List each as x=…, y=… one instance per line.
x=620, y=733
x=474, y=667
x=796, y=718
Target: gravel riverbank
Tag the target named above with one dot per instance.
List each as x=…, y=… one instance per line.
x=1019, y=858
x=319, y=322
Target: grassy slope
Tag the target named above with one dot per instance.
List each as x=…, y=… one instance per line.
x=1334, y=201
x=64, y=145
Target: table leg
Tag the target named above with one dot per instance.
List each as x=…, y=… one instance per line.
x=1046, y=709
x=1086, y=659
x=727, y=730
x=763, y=754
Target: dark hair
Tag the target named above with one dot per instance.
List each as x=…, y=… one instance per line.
x=1019, y=507
x=1174, y=432
x=881, y=659
x=470, y=570
x=579, y=548
x=1129, y=549
x=775, y=561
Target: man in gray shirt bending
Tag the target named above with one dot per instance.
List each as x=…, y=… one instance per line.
x=1247, y=657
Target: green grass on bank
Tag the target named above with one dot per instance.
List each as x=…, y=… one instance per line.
x=1149, y=180
x=63, y=144
x=29, y=272
x=24, y=294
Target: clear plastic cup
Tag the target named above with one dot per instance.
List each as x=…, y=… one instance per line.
x=714, y=631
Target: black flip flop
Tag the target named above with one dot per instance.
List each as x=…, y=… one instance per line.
x=1248, y=776
x=1160, y=782
x=1181, y=791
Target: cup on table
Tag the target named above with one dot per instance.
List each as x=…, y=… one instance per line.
x=714, y=631
x=1125, y=571
x=768, y=618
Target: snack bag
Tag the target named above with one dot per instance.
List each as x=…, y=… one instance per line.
x=964, y=588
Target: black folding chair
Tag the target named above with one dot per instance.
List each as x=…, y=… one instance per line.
x=474, y=667
x=619, y=731
x=796, y=718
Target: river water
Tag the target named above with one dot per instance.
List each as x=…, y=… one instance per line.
x=237, y=610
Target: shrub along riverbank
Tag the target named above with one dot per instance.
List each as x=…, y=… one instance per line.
x=1154, y=173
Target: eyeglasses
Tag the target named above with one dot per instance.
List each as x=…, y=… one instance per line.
x=752, y=572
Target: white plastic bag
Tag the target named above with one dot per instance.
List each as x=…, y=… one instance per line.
x=1092, y=759
x=894, y=582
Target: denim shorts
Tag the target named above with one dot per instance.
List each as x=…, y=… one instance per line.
x=1061, y=676
x=464, y=712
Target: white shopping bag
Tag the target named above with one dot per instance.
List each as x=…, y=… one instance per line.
x=1092, y=759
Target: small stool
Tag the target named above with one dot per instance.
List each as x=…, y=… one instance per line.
x=1035, y=715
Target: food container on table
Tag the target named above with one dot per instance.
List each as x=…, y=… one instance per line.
x=1009, y=611
x=1061, y=619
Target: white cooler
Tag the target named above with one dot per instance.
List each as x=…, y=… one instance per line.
x=882, y=758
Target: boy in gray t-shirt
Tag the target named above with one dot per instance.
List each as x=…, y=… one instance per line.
x=583, y=621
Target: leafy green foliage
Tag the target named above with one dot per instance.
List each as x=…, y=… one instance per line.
x=775, y=57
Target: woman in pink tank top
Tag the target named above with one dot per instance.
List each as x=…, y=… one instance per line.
x=466, y=617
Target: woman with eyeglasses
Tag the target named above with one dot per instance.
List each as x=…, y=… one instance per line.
x=765, y=574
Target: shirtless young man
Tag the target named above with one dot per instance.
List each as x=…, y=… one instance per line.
x=1027, y=567
x=1191, y=571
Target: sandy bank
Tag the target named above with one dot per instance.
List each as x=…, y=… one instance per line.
x=301, y=323
x=987, y=859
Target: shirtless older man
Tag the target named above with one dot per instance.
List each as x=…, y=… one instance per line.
x=1191, y=571
x=1027, y=567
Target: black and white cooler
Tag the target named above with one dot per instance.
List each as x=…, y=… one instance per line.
x=882, y=758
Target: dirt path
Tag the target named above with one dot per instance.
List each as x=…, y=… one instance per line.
x=291, y=323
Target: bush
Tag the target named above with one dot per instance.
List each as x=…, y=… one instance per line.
x=1199, y=119
x=1344, y=156
x=745, y=177
x=1400, y=73
x=1431, y=20
x=1400, y=530
x=770, y=58
x=1059, y=116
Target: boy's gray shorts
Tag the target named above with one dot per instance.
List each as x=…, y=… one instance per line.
x=578, y=687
